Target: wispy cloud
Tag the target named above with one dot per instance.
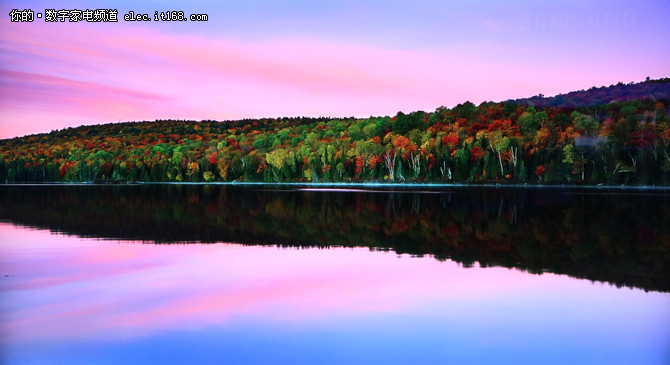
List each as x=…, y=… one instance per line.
x=59, y=75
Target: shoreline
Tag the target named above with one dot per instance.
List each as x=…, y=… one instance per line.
x=325, y=186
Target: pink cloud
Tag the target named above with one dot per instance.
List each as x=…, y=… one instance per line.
x=52, y=90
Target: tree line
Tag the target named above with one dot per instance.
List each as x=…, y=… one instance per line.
x=618, y=142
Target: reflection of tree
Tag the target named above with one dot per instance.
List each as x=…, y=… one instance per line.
x=622, y=239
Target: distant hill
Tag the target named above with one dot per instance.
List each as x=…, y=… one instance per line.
x=649, y=89
x=610, y=135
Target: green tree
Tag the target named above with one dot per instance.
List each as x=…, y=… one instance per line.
x=406, y=122
x=584, y=123
x=528, y=124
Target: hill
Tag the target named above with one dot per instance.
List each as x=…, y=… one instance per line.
x=649, y=89
x=610, y=135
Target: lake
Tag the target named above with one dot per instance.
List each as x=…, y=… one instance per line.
x=226, y=274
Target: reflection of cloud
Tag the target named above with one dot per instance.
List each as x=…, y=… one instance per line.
x=165, y=298
x=65, y=288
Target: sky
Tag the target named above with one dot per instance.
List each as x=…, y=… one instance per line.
x=263, y=58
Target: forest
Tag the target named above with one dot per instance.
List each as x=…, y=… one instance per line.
x=609, y=135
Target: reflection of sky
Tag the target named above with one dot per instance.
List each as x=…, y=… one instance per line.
x=262, y=58
x=80, y=300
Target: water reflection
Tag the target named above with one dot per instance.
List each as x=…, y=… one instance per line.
x=619, y=238
x=79, y=300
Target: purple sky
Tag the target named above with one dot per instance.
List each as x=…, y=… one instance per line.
x=262, y=58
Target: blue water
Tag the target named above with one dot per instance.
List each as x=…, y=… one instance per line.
x=73, y=300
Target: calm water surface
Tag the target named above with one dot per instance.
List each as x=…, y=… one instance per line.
x=92, y=275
